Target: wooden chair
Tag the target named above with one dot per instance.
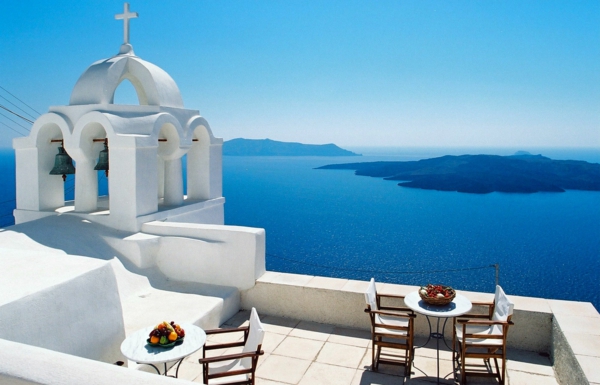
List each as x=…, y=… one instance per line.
x=239, y=368
x=391, y=328
x=484, y=336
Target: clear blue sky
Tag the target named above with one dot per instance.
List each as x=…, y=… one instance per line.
x=381, y=73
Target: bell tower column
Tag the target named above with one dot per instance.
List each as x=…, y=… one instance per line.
x=86, y=186
x=133, y=181
x=173, y=182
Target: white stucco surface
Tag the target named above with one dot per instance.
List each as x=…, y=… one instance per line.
x=84, y=274
x=221, y=255
x=153, y=85
x=22, y=364
x=83, y=285
x=56, y=301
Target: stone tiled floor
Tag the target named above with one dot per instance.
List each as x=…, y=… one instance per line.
x=306, y=353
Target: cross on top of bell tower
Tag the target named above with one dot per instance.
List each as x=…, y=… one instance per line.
x=125, y=16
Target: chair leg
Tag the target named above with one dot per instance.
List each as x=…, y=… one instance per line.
x=407, y=363
x=373, y=357
x=453, y=347
x=463, y=375
x=499, y=373
x=411, y=357
x=503, y=375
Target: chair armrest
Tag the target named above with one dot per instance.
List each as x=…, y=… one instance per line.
x=220, y=345
x=394, y=314
x=229, y=357
x=223, y=345
x=483, y=322
x=396, y=308
x=484, y=316
x=220, y=331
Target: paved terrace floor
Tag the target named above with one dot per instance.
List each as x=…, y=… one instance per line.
x=307, y=353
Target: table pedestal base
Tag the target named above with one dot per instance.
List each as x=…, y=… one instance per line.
x=166, y=370
x=438, y=336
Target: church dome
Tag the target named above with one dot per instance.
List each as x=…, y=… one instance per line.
x=154, y=87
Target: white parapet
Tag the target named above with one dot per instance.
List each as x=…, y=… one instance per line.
x=211, y=254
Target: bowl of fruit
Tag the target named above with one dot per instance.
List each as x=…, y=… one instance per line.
x=437, y=294
x=166, y=335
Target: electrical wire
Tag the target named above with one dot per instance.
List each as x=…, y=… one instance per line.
x=8, y=92
x=20, y=109
x=20, y=133
x=14, y=113
x=14, y=121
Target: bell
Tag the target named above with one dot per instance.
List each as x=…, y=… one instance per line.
x=103, y=160
x=63, y=164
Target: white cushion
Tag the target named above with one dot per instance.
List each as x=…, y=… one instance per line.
x=389, y=320
x=483, y=330
x=504, y=307
x=371, y=295
x=255, y=337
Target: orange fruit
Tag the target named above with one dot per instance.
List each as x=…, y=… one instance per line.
x=172, y=336
x=154, y=339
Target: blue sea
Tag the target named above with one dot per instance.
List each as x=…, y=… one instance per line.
x=335, y=224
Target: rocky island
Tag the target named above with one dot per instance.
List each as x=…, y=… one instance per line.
x=268, y=147
x=482, y=174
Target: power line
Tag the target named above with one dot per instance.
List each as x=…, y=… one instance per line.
x=14, y=113
x=20, y=100
x=14, y=121
x=20, y=109
x=20, y=133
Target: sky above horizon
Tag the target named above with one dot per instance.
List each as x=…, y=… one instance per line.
x=355, y=73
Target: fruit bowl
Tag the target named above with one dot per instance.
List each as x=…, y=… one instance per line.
x=437, y=294
x=168, y=345
x=166, y=335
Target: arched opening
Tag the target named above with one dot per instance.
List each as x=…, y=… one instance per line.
x=169, y=164
x=126, y=94
x=52, y=190
x=198, y=165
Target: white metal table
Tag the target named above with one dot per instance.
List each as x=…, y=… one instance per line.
x=459, y=306
x=136, y=348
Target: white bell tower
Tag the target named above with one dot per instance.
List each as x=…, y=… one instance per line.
x=146, y=145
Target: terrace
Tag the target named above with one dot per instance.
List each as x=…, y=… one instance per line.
x=304, y=352
x=318, y=333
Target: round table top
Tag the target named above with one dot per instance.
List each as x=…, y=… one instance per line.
x=459, y=306
x=136, y=348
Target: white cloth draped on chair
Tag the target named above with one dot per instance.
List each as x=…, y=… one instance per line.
x=484, y=336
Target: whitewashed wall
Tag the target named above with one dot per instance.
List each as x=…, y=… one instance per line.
x=213, y=254
x=69, y=304
x=22, y=364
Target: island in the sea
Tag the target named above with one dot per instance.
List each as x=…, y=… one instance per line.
x=268, y=147
x=482, y=174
